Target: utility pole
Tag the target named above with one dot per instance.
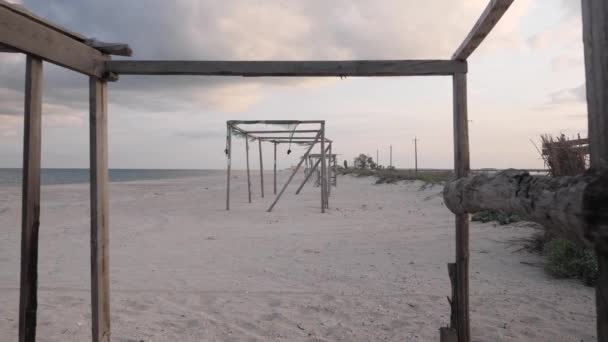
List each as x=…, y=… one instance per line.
x=391, y=158
x=415, y=156
x=377, y=161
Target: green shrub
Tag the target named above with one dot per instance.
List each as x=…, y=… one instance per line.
x=489, y=215
x=565, y=259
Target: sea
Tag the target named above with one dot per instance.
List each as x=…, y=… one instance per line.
x=12, y=176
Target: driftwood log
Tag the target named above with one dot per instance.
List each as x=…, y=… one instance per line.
x=575, y=206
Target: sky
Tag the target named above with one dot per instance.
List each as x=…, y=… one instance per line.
x=526, y=79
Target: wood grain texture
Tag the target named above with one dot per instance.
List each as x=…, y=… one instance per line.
x=595, y=39
x=289, y=68
x=34, y=38
x=33, y=17
x=484, y=25
x=30, y=214
x=100, y=226
x=555, y=202
x=461, y=169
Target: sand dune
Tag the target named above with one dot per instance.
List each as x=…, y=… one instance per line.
x=371, y=269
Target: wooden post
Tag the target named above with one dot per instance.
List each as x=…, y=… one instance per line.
x=30, y=200
x=276, y=199
x=595, y=39
x=229, y=158
x=248, y=172
x=261, y=168
x=416, y=156
x=100, y=270
x=330, y=173
x=450, y=334
x=323, y=171
x=275, y=170
x=461, y=169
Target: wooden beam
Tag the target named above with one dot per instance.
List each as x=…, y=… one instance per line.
x=286, y=138
x=33, y=17
x=30, y=207
x=100, y=270
x=490, y=16
x=289, y=68
x=285, y=131
x=273, y=122
x=6, y=48
x=461, y=169
x=595, y=39
x=29, y=36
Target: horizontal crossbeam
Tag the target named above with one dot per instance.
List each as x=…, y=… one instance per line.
x=289, y=68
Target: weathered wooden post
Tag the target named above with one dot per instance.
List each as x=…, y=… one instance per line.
x=275, y=169
x=30, y=208
x=415, y=156
x=595, y=39
x=330, y=172
x=100, y=270
x=248, y=172
x=261, y=168
x=323, y=170
x=229, y=161
x=461, y=169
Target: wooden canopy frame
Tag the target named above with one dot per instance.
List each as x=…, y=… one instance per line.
x=22, y=31
x=277, y=137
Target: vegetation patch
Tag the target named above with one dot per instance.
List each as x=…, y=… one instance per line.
x=566, y=259
x=490, y=215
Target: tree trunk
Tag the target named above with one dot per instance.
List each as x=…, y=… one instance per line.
x=575, y=206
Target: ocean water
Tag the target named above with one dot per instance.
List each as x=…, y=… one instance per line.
x=13, y=177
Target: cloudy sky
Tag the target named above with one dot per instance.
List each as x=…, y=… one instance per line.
x=526, y=79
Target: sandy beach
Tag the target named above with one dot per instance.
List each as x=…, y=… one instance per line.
x=373, y=268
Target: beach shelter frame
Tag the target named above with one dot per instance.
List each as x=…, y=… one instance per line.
x=276, y=137
x=42, y=41
x=332, y=168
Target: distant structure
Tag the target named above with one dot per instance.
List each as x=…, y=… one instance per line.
x=234, y=128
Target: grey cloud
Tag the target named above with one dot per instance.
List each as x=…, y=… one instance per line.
x=570, y=95
x=198, y=135
x=184, y=29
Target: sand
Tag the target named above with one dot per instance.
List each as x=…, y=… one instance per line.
x=373, y=268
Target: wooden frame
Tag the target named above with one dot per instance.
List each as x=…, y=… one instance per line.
x=261, y=136
x=25, y=32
